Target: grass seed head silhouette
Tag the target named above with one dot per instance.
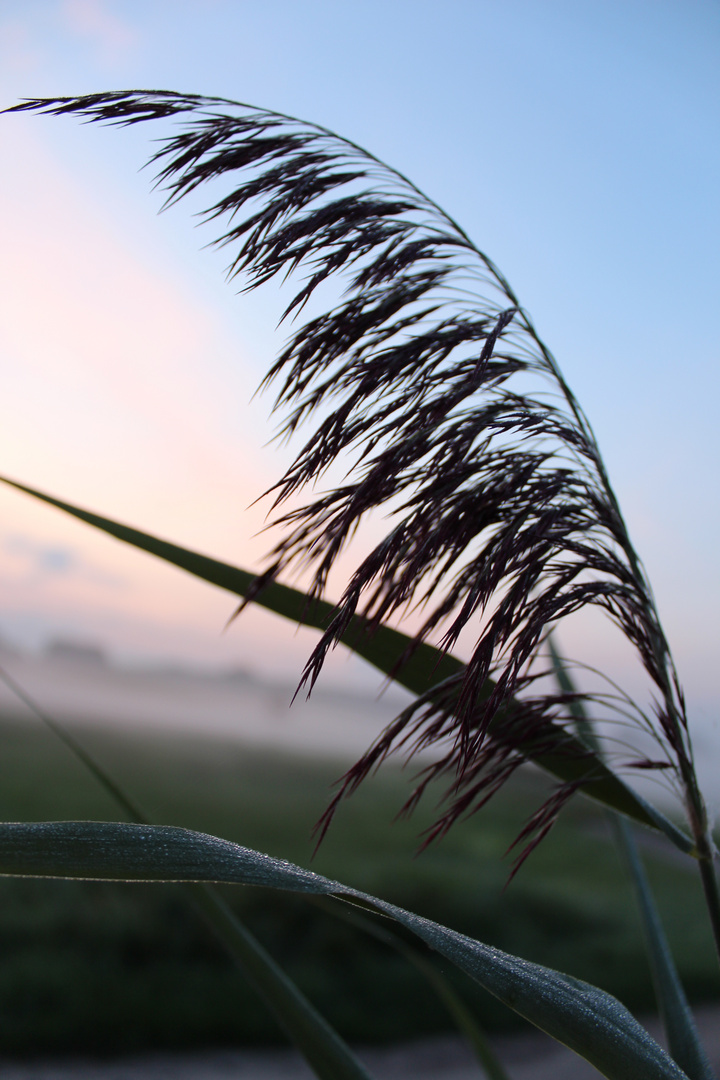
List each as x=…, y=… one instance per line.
x=428, y=380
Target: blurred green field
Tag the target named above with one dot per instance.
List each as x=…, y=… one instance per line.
x=108, y=968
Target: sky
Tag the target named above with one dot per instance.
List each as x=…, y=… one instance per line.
x=576, y=142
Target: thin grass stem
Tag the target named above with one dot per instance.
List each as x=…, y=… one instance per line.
x=322, y=1047
x=324, y=1050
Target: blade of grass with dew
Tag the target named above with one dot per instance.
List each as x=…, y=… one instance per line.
x=586, y=1019
x=324, y=1050
x=680, y=1029
x=417, y=667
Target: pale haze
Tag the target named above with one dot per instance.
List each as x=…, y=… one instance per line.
x=577, y=145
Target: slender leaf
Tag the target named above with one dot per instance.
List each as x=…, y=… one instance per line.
x=589, y=1021
x=416, y=666
x=104, y=779
x=680, y=1030
x=583, y=725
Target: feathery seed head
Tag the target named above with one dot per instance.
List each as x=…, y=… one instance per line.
x=429, y=380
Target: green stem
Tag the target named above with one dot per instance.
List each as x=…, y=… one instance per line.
x=681, y=1032
x=705, y=849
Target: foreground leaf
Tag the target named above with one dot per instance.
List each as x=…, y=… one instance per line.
x=584, y=1018
x=418, y=667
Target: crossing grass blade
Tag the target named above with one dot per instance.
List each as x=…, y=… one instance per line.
x=584, y=1018
x=680, y=1030
x=327, y=1054
x=416, y=666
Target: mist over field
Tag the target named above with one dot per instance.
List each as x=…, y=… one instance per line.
x=86, y=688
x=81, y=685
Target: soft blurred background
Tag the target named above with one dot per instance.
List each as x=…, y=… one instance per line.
x=576, y=143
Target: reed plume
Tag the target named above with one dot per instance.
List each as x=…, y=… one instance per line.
x=426, y=378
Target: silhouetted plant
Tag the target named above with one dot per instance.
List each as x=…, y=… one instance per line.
x=426, y=380
x=429, y=381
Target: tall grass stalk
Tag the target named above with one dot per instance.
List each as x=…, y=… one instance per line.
x=427, y=381
x=680, y=1030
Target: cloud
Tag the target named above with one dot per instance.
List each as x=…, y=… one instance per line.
x=39, y=559
x=55, y=560
x=94, y=20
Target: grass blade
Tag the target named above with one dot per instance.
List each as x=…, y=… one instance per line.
x=416, y=667
x=128, y=805
x=680, y=1030
x=678, y=1022
x=587, y=1020
x=583, y=725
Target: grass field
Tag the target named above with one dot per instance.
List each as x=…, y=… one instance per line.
x=109, y=968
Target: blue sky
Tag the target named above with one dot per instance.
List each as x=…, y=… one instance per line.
x=575, y=141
